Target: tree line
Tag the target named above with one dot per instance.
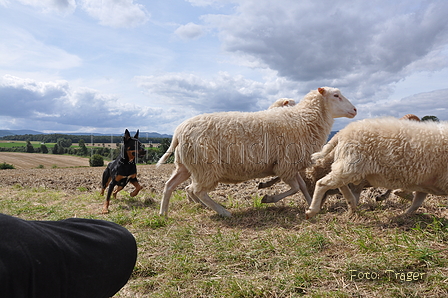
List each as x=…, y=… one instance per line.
x=64, y=146
x=53, y=138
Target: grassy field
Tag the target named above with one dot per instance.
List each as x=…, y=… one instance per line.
x=263, y=250
x=12, y=144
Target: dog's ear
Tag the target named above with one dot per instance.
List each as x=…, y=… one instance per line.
x=127, y=135
x=136, y=135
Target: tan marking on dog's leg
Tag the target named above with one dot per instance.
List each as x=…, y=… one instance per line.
x=137, y=186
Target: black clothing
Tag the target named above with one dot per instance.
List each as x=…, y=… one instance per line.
x=79, y=258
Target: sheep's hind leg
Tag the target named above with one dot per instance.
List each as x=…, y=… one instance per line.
x=268, y=183
x=180, y=175
x=419, y=197
x=192, y=197
x=203, y=196
x=349, y=197
x=383, y=196
x=296, y=183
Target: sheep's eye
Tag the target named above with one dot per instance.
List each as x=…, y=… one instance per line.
x=336, y=95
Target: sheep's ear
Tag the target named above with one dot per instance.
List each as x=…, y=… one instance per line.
x=321, y=91
x=285, y=102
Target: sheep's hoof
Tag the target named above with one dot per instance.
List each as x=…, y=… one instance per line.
x=105, y=211
x=268, y=199
x=225, y=213
x=261, y=185
x=309, y=214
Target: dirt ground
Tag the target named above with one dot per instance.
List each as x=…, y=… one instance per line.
x=89, y=178
x=34, y=160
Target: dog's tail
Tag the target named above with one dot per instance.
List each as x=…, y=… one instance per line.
x=169, y=151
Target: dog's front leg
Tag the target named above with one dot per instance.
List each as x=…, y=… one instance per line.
x=137, y=185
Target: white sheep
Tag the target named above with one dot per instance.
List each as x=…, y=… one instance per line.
x=233, y=147
x=279, y=103
x=283, y=102
x=387, y=152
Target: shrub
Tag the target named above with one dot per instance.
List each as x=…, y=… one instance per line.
x=29, y=147
x=6, y=166
x=43, y=149
x=96, y=161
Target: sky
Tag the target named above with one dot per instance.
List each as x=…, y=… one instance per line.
x=104, y=66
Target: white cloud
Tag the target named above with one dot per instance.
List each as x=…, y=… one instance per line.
x=219, y=93
x=24, y=51
x=432, y=103
x=247, y=53
x=116, y=13
x=113, y=13
x=364, y=45
x=189, y=31
x=57, y=105
x=65, y=6
x=204, y=2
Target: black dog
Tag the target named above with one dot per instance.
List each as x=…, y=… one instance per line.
x=123, y=169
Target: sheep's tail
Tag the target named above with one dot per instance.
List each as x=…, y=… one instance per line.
x=327, y=152
x=169, y=151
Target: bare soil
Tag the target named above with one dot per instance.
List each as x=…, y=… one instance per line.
x=34, y=160
x=68, y=173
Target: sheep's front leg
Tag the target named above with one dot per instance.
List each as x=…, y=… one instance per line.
x=316, y=203
x=419, y=197
x=296, y=183
x=322, y=186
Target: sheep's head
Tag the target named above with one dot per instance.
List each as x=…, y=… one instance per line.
x=283, y=102
x=339, y=105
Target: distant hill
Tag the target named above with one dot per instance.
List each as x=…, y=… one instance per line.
x=4, y=133
x=141, y=134
x=332, y=134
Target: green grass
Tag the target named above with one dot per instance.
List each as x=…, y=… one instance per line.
x=263, y=250
x=12, y=144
